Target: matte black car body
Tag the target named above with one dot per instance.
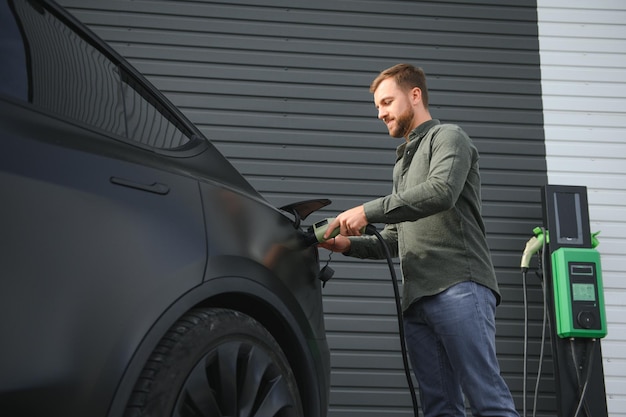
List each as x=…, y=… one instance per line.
x=117, y=219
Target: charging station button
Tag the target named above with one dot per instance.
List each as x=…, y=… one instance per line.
x=586, y=319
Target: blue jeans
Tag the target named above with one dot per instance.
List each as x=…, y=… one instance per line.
x=451, y=342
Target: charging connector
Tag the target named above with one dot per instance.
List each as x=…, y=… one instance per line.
x=532, y=246
x=319, y=230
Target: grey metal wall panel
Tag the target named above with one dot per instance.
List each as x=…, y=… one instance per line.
x=282, y=89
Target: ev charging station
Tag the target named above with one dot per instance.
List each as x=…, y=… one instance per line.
x=574, y=299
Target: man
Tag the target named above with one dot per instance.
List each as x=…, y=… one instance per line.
x=433, y=223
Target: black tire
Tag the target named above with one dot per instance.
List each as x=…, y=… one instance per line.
x=214, y=363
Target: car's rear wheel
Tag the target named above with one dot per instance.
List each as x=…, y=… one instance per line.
x=213, y=363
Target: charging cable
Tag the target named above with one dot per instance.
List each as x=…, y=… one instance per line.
x=582, y=387
x=315, y=234
x=536, y=244
x=371, y=230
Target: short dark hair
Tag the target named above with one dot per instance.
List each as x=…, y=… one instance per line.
x=406, y=76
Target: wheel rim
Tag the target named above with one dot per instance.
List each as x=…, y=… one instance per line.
x=236, y=378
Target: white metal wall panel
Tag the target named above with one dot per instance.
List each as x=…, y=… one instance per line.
x=583, y=66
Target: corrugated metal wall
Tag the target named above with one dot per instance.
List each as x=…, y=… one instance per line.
x=282, y=88
x=583, y=54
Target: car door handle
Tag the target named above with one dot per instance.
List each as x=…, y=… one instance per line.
x=156, y=187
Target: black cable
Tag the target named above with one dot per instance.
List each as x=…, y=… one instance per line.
x=372, y=230
x=525, y=360
x=582, y=390
x=542, y=267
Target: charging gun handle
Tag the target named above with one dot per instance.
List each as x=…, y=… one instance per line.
x=532, y=246
x=320, y=228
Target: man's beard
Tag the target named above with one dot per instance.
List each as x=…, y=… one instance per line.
x=403, y=124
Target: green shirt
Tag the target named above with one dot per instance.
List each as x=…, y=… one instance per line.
x=433, y=216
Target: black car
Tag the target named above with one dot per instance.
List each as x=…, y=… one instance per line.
x=140, y=274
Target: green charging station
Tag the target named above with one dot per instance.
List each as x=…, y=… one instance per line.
x=575, y=302
x=578, y=293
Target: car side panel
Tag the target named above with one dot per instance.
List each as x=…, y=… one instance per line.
x=254, y=241
x=87, y=264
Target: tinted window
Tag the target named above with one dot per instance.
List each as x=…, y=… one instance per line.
x=13, y=72
x=52, y=67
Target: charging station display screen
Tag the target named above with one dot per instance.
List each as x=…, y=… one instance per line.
x=583, y=292
x=568, y=218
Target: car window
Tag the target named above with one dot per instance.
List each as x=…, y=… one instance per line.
x=13, y=74
x=49, y=65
